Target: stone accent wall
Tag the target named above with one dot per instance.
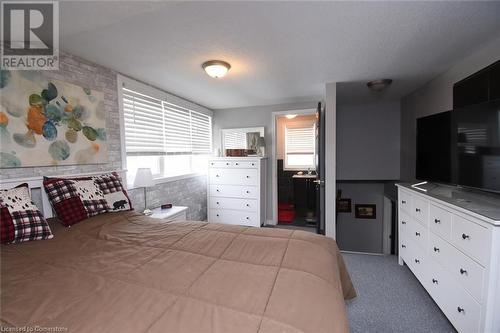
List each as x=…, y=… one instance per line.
x=191, y=192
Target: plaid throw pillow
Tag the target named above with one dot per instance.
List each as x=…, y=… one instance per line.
x=116, y=196
x=75, y=199
x=20, y=219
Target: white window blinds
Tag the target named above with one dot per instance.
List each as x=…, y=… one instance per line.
x=235, y=139
x=300, y=140
x=144, y=123
x=156, y=127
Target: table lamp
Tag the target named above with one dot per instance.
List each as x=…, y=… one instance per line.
x=144, y=178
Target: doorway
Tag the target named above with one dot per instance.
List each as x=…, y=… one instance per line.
x=295, y=170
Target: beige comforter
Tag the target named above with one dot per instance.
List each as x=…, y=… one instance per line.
x=123, y=272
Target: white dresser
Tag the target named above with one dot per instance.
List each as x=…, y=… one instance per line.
x=450, y=240
x=237, y=190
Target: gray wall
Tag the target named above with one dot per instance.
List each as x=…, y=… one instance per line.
x=361, y=235
x=254, y=117
x=368, y=141
x=189, y=192
x=437, y=96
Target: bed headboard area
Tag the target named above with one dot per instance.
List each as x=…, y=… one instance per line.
x=38, y=194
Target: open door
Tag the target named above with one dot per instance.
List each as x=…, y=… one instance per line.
x=320, y=170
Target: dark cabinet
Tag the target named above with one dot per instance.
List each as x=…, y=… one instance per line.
x=481, y=87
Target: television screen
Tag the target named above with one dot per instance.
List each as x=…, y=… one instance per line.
x=434, y=154
x=477, y=146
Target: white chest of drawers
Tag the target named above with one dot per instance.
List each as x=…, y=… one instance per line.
x=237, y=190
x=455, y=253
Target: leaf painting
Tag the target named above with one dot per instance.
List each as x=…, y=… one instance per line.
x=46, y=122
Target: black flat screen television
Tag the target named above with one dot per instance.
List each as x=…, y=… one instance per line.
x=434, y=148
x=461, y=147
x=476, y=160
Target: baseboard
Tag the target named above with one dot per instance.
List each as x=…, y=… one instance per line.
x=369, y=253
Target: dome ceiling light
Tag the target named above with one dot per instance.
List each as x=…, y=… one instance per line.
x=379, y=85
x=290, y=116
x=216, y=68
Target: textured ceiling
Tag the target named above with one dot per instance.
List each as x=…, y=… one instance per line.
x=280, y=52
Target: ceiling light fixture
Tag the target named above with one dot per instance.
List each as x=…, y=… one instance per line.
x=379, y=85
x=216, y=68
x=290, y=116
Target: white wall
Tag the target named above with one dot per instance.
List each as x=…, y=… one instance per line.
x=254, y=117
x=437, y=96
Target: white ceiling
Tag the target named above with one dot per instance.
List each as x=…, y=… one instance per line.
x=280, y=52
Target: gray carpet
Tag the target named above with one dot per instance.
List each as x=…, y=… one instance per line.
x=390, y=298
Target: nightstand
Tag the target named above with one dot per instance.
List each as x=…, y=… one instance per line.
x=176, y=213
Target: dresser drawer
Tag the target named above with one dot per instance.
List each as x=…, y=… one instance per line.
x=250, y=205
x=417, y=260
x=460, y=308
x=420, y=210
x=464, y=270
x=220, y=164
x=404, y=201
x=404, y=224
x=403, y=247
x=472, y=238
x=246, y=164
x=418, y=234
x=233, y=217
x=440, y=222
x=232, y=176
x=234, y=191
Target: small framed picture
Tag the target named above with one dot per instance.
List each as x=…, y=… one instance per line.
x=344, y=205
x=365, y=211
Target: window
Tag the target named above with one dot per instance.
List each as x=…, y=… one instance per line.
x=171, y=139
x=300, y=146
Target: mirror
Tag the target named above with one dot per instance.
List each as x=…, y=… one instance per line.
x=248, y=141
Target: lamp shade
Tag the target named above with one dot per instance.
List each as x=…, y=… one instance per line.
x=143, y=178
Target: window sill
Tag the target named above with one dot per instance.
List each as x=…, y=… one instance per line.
x=161, y=180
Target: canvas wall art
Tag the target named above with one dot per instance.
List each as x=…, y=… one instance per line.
x=46, y=122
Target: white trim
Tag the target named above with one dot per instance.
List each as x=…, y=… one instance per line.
x=366, y=253
x=162, y=180
x=274, y=171
x=330, y=121
x=119, y=82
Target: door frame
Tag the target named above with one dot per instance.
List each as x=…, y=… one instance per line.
x=274, y=161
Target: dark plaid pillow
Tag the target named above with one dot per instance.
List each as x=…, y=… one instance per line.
x=20, y=219
x=75, y=199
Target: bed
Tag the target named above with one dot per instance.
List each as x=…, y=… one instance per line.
x=125, y=272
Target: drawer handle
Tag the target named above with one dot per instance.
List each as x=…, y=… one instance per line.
x=463, y=271
x=403, y=222
x=403, y=202
x=403, y=246
x=227, y=163
x=437, y=221
x=464, y=236
x=217, y=190
x=217, y=215
x=247, y=218
x=237, y=164
x=460, y=310
x=212, y=163
x=248, y=205
x=417, y=233
x=217, y=202
x=253, y=164
x=434, y=281
x=417, y=210
x=247, y=191
x=417, y=261
x=436, y=249
x=248, y=176
x=217, y=176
